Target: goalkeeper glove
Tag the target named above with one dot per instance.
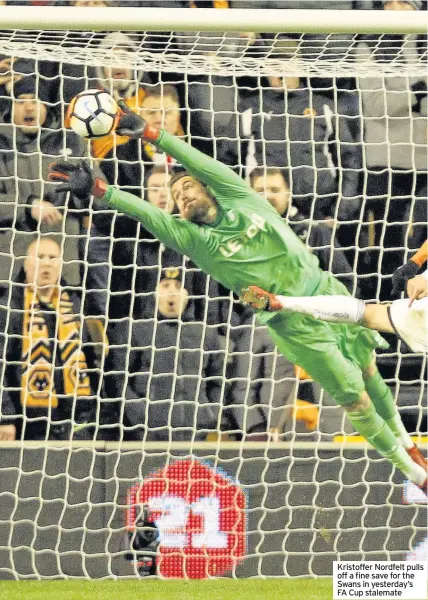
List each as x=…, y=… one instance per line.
x=79, y=179
x=134, y=126
x=402, y=275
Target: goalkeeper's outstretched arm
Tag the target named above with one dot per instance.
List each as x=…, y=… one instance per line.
x=209, y=171
x=81, y=180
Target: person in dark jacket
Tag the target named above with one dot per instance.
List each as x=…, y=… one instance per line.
x=49, y=384
x=296, y=127
x=30, y=140
x=175, y=371
x=320, y=238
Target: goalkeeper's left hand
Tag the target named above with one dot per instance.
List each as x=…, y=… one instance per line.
x=79, y=179
x=132, y=125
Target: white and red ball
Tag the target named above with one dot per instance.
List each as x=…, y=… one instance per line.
x=92, y=113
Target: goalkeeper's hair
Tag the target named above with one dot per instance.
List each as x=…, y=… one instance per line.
x=177, y=176
x=180, y=174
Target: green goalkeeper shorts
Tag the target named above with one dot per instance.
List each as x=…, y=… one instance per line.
x=334, y=354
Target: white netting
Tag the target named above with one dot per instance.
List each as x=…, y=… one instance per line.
x=229, y=54
x=166, y=425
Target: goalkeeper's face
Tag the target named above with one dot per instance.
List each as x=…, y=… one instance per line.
x=192, y=200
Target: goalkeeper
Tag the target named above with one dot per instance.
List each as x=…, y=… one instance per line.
x=237, y=237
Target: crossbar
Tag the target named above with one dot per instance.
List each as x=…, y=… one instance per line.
x=207, y=19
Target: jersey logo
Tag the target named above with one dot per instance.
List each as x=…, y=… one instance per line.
x=231, y=216
x=233, y=246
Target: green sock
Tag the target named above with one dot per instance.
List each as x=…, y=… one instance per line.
x=385, y=406
x=371, y=426
x=381, y=396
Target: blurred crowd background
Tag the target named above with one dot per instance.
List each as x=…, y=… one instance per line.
x=136, y=343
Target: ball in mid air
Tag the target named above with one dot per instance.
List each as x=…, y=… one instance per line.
x=92, y=114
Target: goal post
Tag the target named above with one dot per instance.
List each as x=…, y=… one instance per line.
x=205, y=19
x=289, y=503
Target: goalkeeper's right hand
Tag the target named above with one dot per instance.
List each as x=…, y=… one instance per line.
x=132, y=125
x=402, y=275
x=79, y=179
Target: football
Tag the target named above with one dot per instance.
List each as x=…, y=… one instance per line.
x=92, y=114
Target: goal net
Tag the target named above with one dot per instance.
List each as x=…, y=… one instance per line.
x=149, y=431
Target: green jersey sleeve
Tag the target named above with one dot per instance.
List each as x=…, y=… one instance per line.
x=225, y=184
x=173, y=232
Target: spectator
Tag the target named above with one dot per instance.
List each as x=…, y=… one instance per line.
x=272, y=184
x=52, y=394
x=263, y=397
x=30, y=140
x=296, y=127
x=158, y=192
x=176, y=371
x=12, y=69
x=395, y=136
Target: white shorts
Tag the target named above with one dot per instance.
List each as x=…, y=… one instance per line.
x=411, y=323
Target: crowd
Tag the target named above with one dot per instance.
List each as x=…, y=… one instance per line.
x=107, y=334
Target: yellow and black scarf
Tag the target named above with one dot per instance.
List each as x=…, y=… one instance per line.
x=53, y=363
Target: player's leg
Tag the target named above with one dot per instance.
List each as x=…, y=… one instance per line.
x=360, y=350
x=315, y=349
x=376, y=430
x=384, y=403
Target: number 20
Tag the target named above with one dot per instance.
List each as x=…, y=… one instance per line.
x=172, y=522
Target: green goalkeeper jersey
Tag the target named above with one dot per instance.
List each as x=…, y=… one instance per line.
x=248, y=244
